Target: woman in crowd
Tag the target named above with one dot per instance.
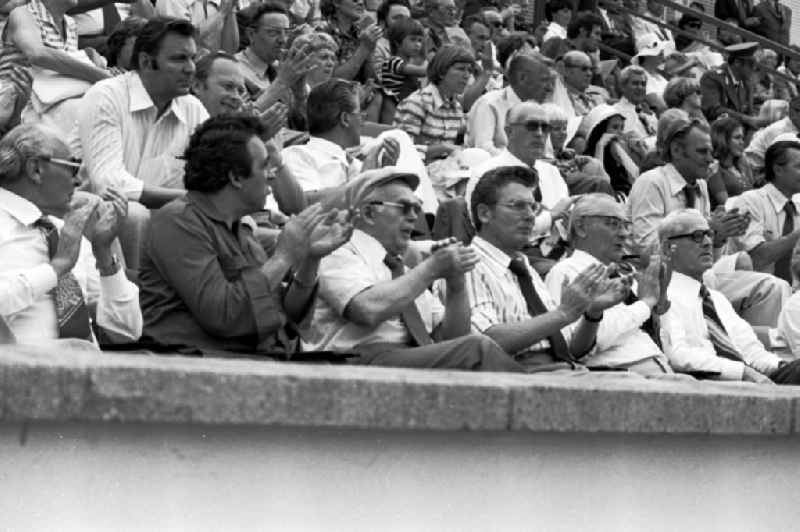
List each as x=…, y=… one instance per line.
x=684, y=94
x=323, y=50
x=433, y=115
x=733, y=175
x=604, y=141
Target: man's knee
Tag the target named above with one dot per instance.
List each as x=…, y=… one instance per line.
x=489, y=355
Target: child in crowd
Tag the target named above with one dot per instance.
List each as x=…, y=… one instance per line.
x=399, y=74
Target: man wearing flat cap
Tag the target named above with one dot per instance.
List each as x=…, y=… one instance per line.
x=372, y=304
x=727, y=88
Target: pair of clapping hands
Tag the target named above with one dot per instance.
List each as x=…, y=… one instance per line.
x=314, y=233
x=728, y=223
x=98, y=218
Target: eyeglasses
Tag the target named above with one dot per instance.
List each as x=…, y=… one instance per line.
x=698, y=236
x=523, y=206
x=276, y=31
x=73, y=163
x=612, y=222
x=534, y=125
x=407, y=207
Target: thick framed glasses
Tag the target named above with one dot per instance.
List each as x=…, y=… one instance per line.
x=407, y=207
x=523, y=206
x=534, y=125
x=73, y=163
x=698, y=236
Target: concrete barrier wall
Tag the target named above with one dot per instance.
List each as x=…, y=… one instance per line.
x=113, y=442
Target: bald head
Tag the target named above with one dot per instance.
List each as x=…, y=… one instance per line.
x=531, y=76
x=578, y=70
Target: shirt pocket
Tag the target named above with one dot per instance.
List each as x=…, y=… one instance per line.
x=232, y=266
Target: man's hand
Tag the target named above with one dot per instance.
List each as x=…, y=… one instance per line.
x=384, y=154
x=577, y=296
x=296, y=65
x=330, y=233
x=751, y=375
x=69, y=241
x=727, y=224
x=609, y=292
x=103, y=227
x=451, y=262
x=274, y=118
x=486, y=58
x=649, y=283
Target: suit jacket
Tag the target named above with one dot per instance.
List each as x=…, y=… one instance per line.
x=719, y=92
x=773, y=24
x=725, y=9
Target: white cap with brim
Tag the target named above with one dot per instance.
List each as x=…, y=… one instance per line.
x=648, y=45
x=353, y=193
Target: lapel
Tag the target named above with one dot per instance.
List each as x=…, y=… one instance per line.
x=731, y=90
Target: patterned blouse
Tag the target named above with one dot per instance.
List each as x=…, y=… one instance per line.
x=430, y=119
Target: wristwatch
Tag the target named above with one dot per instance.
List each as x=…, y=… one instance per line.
x=106, y=270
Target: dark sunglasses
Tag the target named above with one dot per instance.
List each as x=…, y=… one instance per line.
x=534, y=125
x=698, y=236
x=407, y=207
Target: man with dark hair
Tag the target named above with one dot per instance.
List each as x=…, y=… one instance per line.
x=267, y=35
x=370, y=303
x=207, y=284
x=51, y=277
x=132, y=127
x=510, y=302
x=774, y=221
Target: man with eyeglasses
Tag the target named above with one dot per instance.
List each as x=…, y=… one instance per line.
x=267, y=33
x=763, y=138
x=58, y=260
x=578, y=74
x=701, y=333
x=372, y=304
x=510, y=302
x=598, y=233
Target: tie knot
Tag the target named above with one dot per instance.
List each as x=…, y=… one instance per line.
x=394, y=263
x=45, y=224
x=704, y=293
x=519, y=268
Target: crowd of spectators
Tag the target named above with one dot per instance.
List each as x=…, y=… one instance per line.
x=424, y=184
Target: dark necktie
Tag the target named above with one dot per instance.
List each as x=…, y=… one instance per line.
x=558, y=345
x=409, y=315
x=691, y=192
x=71, y=310
x=271, y=73
x=783, y=265
x=716, y=330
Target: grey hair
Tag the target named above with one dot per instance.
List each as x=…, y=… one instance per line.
x=590, y=205
x=521, y=107
x=22, y=143
x=678, y=89
x=555, y=113
x=678, y=222
x=629, y=71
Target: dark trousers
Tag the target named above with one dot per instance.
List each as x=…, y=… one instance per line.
x=470, y=352
x=788, y=374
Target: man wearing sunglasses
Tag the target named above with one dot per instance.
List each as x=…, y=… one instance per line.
x=701, y=333
x=371, y=303
x=57, y=261
x=598, y=233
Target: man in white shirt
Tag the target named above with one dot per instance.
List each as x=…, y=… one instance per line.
x=639, y=118
x=133, y=127
x=701, y=332
x=527, y=127
x=773, y=209
x=764, y=137
x=371, y=304
x=599, y=229
x=510, y=303
x=51, y=275
x=529, y=79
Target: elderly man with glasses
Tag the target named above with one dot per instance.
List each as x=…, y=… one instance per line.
x=701, y=333
x=599, y=230
x=578, y=74
x=51, y=275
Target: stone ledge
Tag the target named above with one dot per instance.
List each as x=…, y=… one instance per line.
x=52, y=384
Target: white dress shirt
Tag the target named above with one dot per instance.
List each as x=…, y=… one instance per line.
x=763, y=138
x=767, y=217
x=125, y=144
x=656, y=193
x=495, y=296
x=620, y=341
x=685, y=339
x=486, y=120
x=27, y=279
x=320, y=164
x=344, y=274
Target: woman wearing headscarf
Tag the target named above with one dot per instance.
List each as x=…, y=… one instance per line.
x=605, y=141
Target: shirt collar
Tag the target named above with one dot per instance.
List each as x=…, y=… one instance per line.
x=582, y=259
x=256, y=62
x=683, y=284
x=674, y=179
x=777, y=199
x=140, y=99
x=509, y=159
x=438, y=101
x=512, y=96
x=367, y=245
x=494, y=256
x=326, y=147
x=203, y=204
x=18, y=207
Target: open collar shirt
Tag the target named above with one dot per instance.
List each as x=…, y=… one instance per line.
x=495, y=295
x=685, y=338
x=620, y=339
x=27, y=280
x=345, y=273
x=126, y=144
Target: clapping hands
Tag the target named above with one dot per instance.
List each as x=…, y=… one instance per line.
x=314, y=233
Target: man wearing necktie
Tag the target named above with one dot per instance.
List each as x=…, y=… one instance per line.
x=373, y=304
x=772, y=233
x=701, y=333
x=510, y=302
x=727, y=89
x=51, y=275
